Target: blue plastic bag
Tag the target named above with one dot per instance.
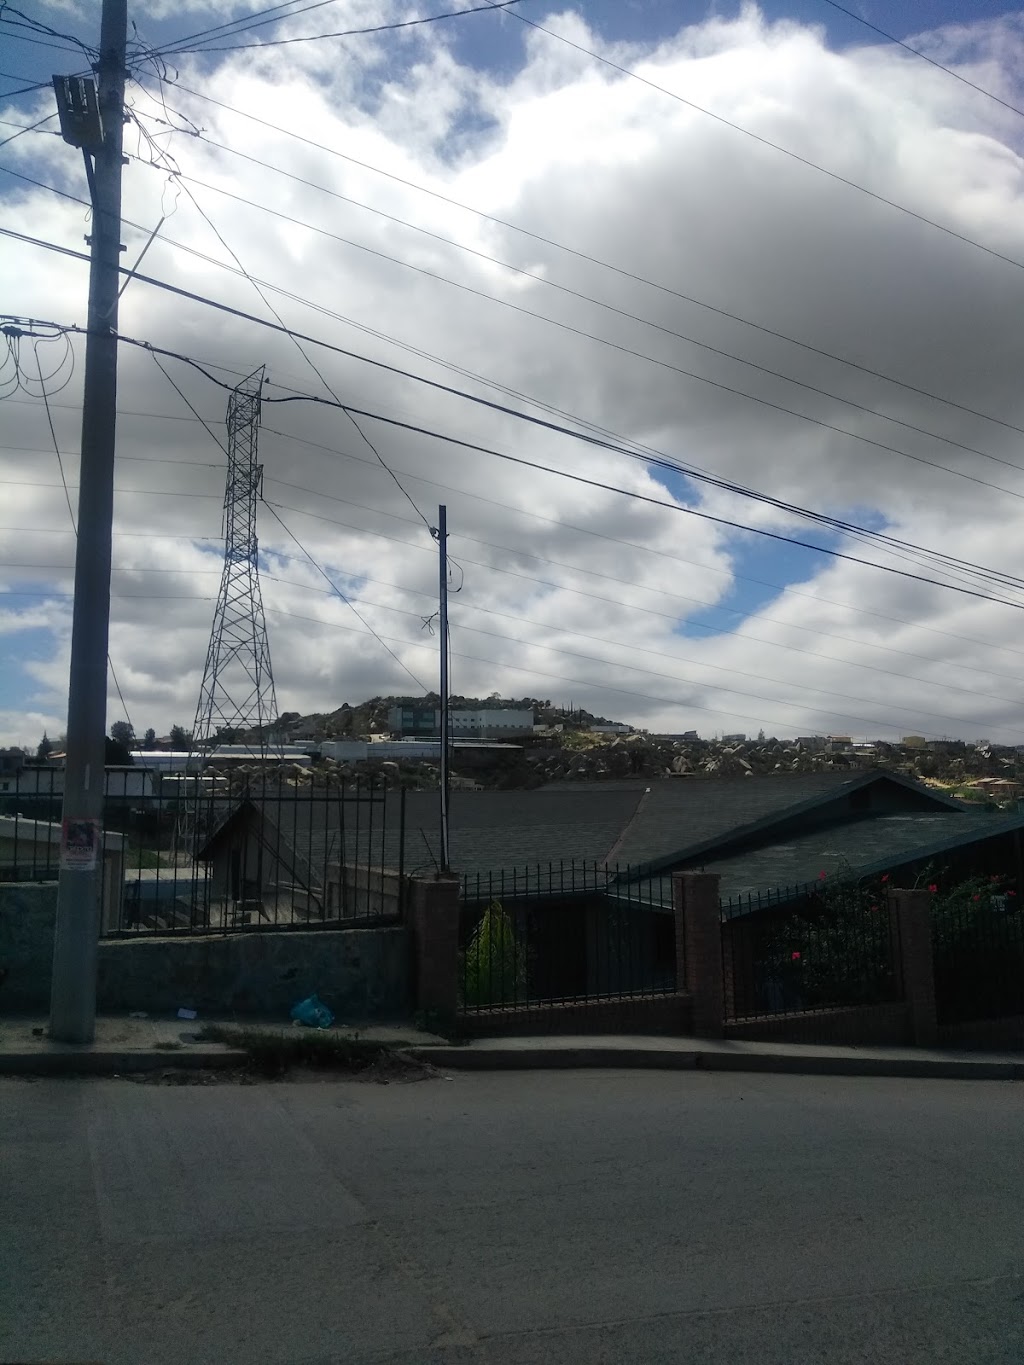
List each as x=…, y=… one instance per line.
x=313, y=1012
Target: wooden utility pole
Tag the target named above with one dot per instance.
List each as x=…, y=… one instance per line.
x=73, y=991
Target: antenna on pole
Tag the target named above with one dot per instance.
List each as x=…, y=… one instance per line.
x=237, y=697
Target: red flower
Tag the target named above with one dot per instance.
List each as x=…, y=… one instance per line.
x=975, y=898
x=1011, y=893
x=822, y=876
x=874, y=907
x=933, y=888
x=795, y=957
x=885, y=876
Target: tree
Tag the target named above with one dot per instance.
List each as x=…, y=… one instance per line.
x=122, y=733
x=45, y=748
x=117, y=754
x=149, y=738
x=180, y=737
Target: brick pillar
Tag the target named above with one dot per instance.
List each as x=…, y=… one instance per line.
x=912, y=912
x=434, y=920
x=699, y=948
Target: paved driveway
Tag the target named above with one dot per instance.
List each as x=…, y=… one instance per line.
x=527, y=1217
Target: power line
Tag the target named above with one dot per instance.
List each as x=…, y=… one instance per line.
x=984, y=572
x=37, y=42
x=589, y=683
x=575, y=568
x=525, y=620
x=608, y=307
x=306, y=357
x=342, y=33
x=30, y=129
x=688, y=470
x=71, y=512
x=334, y=587
x=675, y=507
x=662, y=654
x=890, y=37
x=246, y=22
x=632, y=607
x=243, y=23
x=825, y=521
x=584, y=256
x=675, y=677
x=352, y=602
x=675, y=558
x=22, y=20
x=615, y=578
x=767, y=142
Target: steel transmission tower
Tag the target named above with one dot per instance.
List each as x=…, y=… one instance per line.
x=238, y=683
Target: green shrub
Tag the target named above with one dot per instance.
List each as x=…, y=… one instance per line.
x=493, y=966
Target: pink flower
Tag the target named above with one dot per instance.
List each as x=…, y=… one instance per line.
x=874, y=907
x=822, y=876
x=885, y=876
x=794, y=957
x=933, y=888
x=975, y=898
x=1011, y=893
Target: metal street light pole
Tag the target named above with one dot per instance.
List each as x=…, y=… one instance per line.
x=442, y=545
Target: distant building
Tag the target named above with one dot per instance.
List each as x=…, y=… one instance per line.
x=491, y=723
x=612, y=728
x=734, y=739
x=416, y=721
x=914, y=742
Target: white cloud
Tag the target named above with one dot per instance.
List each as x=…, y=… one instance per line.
x=622, y=173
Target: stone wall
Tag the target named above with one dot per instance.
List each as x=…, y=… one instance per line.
x=28, y=911
x=360, y=973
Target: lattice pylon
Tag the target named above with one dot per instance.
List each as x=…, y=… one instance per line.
x=237, y=692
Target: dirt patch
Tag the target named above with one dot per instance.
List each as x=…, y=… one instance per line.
x=304, y=1055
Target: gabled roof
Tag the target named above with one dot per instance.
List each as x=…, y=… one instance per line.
x=686, y=820
x=866, y=848
x=651, y=825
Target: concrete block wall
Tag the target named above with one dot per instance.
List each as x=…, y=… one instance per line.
x=360, y=973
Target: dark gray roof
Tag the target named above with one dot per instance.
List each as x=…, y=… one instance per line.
x=682, y=818
x=491, y=830
x=864, y=847
x=657, y=823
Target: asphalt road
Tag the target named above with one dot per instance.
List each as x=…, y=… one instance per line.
x=526, y=1217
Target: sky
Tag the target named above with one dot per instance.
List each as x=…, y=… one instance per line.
x=758, y=244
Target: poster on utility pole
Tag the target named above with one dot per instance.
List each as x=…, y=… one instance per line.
x=79, y=845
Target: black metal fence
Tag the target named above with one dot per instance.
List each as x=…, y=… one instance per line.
x=564, y=933
x=216, y=852
x=807, y=949
x=978, y=950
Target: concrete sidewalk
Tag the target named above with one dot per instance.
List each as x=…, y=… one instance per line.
x=124, y=1044
x=707, y=1054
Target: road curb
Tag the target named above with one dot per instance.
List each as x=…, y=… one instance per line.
x=661, y=1059
x=109, y=1062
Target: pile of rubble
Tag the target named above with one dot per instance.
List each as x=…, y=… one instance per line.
x=644, y=756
